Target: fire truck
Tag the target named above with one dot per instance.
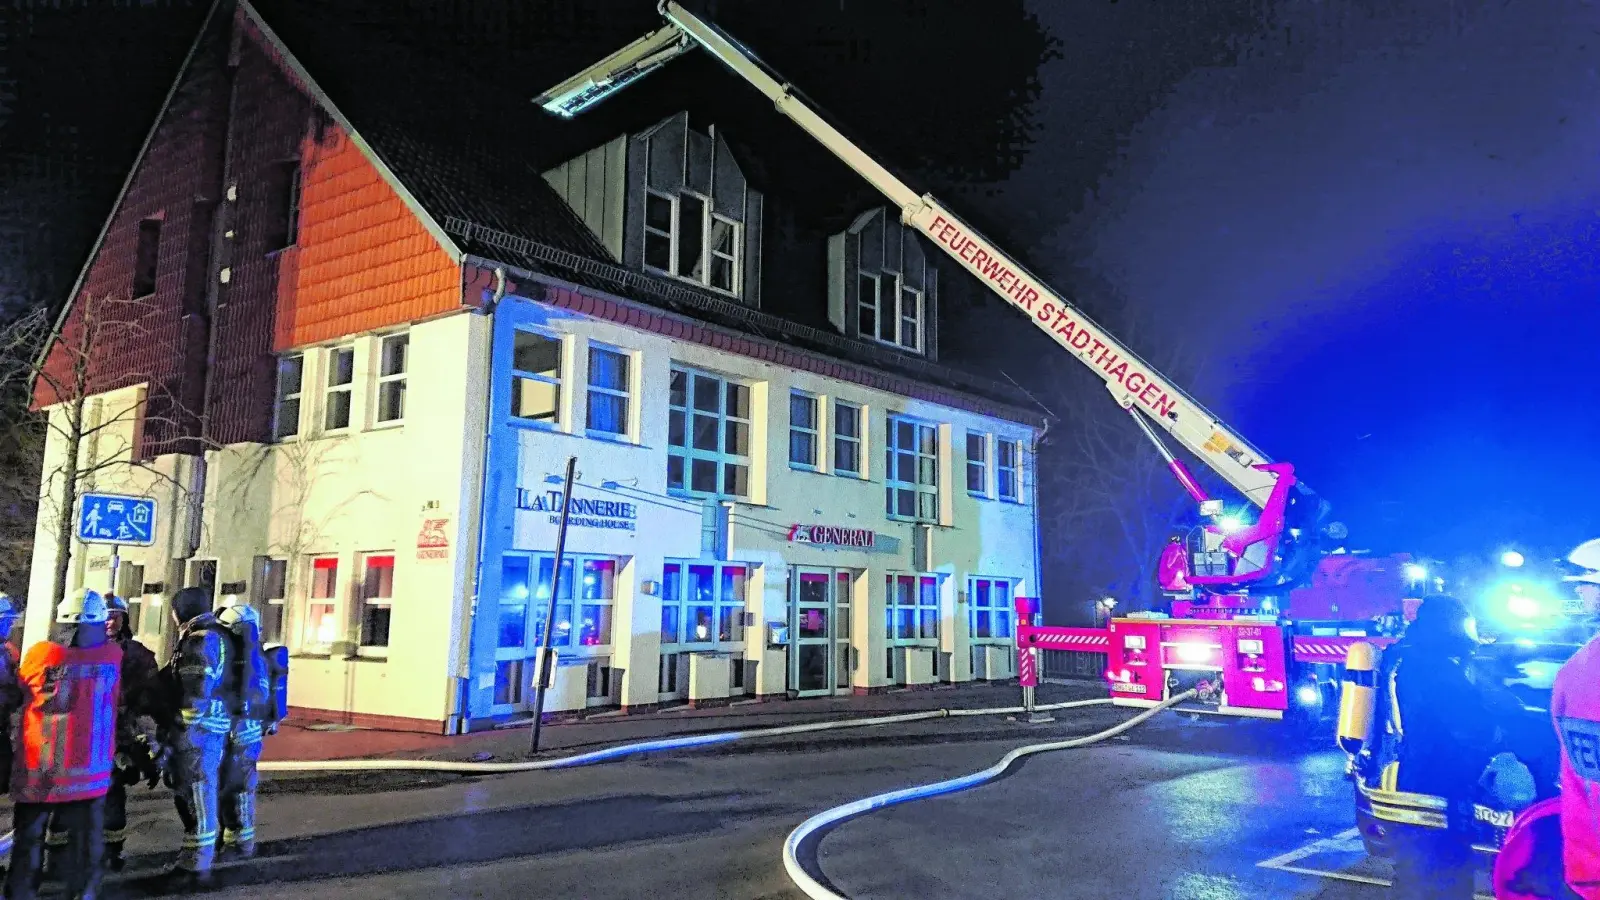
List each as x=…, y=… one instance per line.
x=1232, y=576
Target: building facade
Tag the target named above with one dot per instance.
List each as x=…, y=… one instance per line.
x=351, y=368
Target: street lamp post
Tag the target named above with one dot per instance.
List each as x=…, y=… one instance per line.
x=546, y=660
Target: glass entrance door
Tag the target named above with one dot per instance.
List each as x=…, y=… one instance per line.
x=819, y=630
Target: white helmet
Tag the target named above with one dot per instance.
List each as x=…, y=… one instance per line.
x=239, y=614
x=86, y=607
x=1586, y=557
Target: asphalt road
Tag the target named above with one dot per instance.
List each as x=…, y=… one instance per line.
x=1175, y=810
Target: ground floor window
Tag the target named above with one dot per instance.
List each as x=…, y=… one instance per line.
x=377, y=601
x=702, y=604
x=584, y=601
x=321, y=626
x=989, y=600
x=911, y=608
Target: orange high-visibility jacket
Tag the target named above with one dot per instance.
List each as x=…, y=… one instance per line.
x=69, y=722
x=1575, y=704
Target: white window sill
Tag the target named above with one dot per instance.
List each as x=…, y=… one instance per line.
x=388, y=426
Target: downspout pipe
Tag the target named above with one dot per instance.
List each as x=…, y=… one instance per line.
x=1038, y=524
x=459, y=719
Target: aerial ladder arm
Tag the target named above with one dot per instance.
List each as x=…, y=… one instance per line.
x=1133, y=383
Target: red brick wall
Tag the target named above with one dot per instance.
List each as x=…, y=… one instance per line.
x=362, y=261
x=366, y=261
x=153, y=339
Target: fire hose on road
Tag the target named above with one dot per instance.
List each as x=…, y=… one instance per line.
x=827, y=819
x=608, y=754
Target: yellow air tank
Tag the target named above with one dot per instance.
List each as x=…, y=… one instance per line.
x=1358, y=697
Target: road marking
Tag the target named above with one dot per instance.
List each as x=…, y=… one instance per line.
x=1343, y=842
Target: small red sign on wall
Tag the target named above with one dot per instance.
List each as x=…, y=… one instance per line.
x=432, y=542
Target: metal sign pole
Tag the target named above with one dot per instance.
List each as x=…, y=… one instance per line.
x=116, y=560
x=545, y=664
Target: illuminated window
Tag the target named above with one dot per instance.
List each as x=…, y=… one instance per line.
x=341, y=379
x=989, y=601
x=702, y=604
x=708, y=436
x=321, y=626
x=911, y=470
x=536, y=377
x=525, y=588
x=377, y=600
x=394, y=354
x=911, y=609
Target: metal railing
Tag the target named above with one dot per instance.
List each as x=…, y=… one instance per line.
x=1071, y=665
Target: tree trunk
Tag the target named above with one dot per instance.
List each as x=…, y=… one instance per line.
x=68, y=504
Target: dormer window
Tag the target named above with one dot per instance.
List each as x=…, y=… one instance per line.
x=673, y=202
x=684, y=238
x=881, y=287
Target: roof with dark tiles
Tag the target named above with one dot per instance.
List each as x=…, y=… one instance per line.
x=463, y=144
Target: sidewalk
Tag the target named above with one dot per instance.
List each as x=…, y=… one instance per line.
x=295, y=742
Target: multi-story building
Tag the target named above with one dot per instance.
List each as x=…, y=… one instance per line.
x=355, y=343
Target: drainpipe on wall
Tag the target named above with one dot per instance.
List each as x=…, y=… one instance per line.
x=458, y=722
x=216, y=290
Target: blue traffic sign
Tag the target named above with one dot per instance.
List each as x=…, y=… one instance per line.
x=116, y=519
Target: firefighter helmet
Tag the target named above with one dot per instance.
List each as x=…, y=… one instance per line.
x=86, y=607
x=1587, y=557
x=238, y=614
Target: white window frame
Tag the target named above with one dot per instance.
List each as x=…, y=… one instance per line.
x=364, y=601
x=723, y=606
x=559, y=379
x=309, y=643
x=1002, y=613
x=709, y=216
x=978, y=465
x=382, y=380
x=625, y=394
x=894, y=286
x=538, y=604
x=281, y=397
x=924, y=463
x=329, y=389
x=814, y=432
x=841, y=440
x=1003, y=471
x=924, y=607
x=688, y=453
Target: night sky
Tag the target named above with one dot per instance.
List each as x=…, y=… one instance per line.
x=1376, y=221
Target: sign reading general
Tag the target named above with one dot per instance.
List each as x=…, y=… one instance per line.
x=833, y=536
x=116, y=519
x=585, y=513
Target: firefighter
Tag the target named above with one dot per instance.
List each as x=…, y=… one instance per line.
x=1575, y=707
x=69, y=687
x=197, y=676
x=253, y=714
x=137, y=753
x=1438, y=730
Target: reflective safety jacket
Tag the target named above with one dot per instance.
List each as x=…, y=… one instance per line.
x=199, y=676
x=69, y=722
x=1575, y=706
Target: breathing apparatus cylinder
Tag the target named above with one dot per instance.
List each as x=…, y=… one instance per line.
x=1358, y=697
